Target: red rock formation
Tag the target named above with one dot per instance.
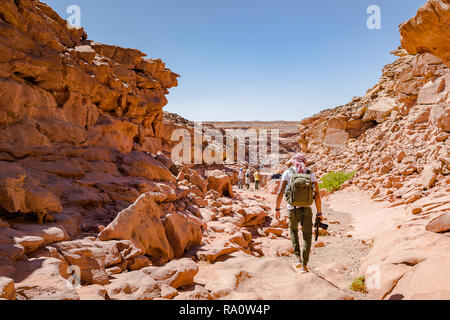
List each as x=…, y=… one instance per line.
x=80, y=140
x=429, y=30
x=395, y=137
x=71, y=112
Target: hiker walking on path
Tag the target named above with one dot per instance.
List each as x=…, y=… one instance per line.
x=299, y=186
x=241, y=179
x=257, y=178
x=247, y=178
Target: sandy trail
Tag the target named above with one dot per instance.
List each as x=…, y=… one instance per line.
x=334, y=264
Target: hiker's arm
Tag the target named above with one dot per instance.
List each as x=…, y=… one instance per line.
x=318, y=200
x=280, y=198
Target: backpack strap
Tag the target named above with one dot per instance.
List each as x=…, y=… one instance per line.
x=293, y=172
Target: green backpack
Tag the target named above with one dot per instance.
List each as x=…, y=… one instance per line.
x=300, y=191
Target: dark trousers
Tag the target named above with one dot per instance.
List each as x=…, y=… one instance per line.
x=302, y=216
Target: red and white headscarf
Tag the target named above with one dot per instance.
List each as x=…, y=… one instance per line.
x=299, y=162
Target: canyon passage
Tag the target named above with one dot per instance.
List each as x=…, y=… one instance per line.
x=93, y=205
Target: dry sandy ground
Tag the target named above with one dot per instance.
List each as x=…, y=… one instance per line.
x=334, y=264
x=405, y=260
x=410, y=263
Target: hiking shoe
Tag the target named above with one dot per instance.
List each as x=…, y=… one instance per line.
x=297, y=266
x=304, y=270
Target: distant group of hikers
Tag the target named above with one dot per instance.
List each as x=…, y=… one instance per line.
x=245, y=178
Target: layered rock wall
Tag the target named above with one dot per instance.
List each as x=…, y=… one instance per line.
x=429, y=30
x=73, y=114
x=80, y=140
x=396, y=137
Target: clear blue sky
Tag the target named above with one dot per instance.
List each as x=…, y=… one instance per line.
x=253, y=59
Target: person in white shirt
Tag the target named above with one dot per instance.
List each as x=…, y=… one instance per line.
x=241, y=179
x=303, y=216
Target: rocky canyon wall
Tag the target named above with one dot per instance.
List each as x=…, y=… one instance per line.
x=429, y=30
x=396, y=140
x=80, y=140
x=396, y=137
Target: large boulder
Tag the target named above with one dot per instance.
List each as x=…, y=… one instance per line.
x=220, y=182
x=176, y=273
x=142, y=224
x=183, y=230
x=139, y=164
x=380, y=110
x=428, y=31
x=439, y=224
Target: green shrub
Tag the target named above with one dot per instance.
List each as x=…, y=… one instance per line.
x=334, y=180
x=359, y=285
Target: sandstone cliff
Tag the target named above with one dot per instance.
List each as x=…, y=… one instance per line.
x=73, y=112
x=396, y=137
x=80, y=129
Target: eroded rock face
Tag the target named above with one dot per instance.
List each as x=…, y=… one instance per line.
x=396, y=137
x=72, y=113
x=429, y=30
x=80, y=140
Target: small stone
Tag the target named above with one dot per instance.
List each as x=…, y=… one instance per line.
x=168, y=292
x=415, y=210
x=7, y=289
x=320, y=245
